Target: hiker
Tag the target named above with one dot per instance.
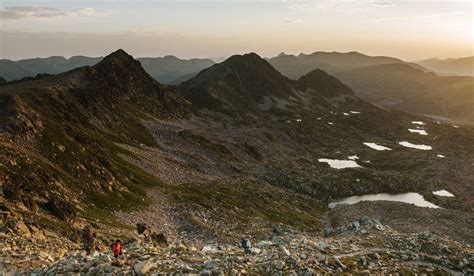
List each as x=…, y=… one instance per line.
x=117, y=248
x=246, y=245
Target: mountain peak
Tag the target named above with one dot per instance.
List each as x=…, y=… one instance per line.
x=245, y=67
x=119, y=55
x=120, y=63
x=246, y=58
x=240, y=81
x=121, y=75
x=323, y=83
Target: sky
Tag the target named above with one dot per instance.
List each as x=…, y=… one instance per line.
x=407, y=29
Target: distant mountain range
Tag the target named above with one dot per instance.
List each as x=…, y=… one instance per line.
x=450, y=66
x=404, y=87
x=385, y=81
x=391, y=82
x=168, y=69
x=295, y=66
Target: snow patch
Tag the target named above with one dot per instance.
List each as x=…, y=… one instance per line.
x=414, y=146
x=440, y=156
x=353, y=157
x=355, y=112
x=299, y=120
x=418, y=123
x=376, y=146
x=340, y=164
x=346, y=114
x=330, y=123
x=443, y=193
x=419, y=131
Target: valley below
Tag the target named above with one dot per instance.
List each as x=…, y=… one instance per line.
x=182, y=173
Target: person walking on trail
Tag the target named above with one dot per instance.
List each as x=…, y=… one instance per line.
x=246, y=245
x=117, y=248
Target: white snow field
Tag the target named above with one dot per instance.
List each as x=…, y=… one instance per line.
x=414, y=146
x=443, y=193
x=419, y=131
x=340, y=164
x=376, y=146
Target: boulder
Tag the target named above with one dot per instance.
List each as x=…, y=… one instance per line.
x=277, y=229
x=61, y=209
x=89, y=239
x=285, y=251
x=159, y=239
x=321, y=245
x=143, y=267
x=23, y=229
x=263, y=244
x=141, y=228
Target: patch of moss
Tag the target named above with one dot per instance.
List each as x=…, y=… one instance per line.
x=247, y=202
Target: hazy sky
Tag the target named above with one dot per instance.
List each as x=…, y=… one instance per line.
x=410, y=30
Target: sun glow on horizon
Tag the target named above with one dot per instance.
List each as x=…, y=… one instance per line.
x=411, y=30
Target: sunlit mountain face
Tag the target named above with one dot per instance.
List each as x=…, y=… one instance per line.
x=236, y=138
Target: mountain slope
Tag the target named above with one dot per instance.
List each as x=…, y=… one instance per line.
x=58, y=134
x=168, y=69
x=404, y=87
x=450, y=66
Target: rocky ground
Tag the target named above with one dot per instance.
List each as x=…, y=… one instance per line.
x=364, y=245
x=408, y=218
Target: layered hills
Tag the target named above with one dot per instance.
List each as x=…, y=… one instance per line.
x=403, y=87
x=451, y=66
x=234, y=150
x=295, y=66
x=167, y=69
x=419, y=88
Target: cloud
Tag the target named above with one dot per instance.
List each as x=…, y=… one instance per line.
x=383, y=4
x=414, y=17
x=293, y=21
x=19, y=12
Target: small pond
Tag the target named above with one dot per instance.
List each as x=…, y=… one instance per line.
x=411, y=198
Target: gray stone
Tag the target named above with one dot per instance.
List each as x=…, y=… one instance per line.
x=143, y=267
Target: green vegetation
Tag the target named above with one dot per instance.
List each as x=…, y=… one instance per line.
x=244, y=203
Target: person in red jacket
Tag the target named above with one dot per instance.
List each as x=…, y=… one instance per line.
x=117, y=248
